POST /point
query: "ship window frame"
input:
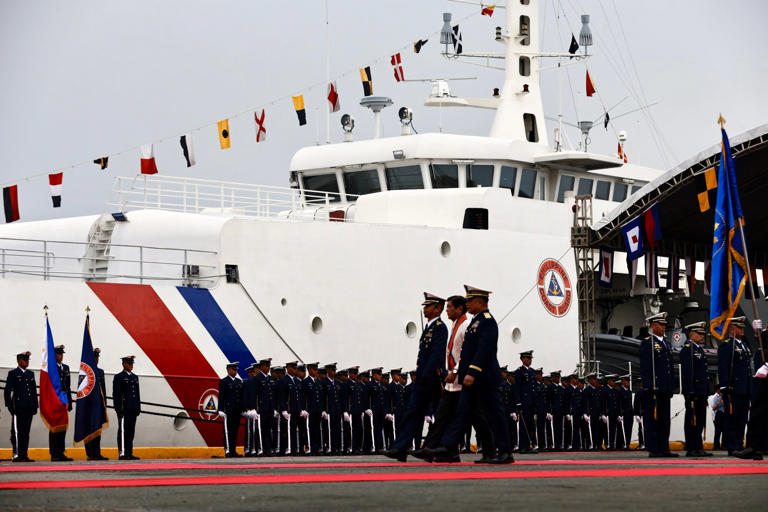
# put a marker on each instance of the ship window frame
(468, 173)
(579, 187)
(436, 181)
(335, 195)
(514, 169)
(525, 175)
(635, 188)
(388, 174)
(620, 186)
(561, 191)
(531, 127)
(373, 175)
(524, 66)
(598, 192)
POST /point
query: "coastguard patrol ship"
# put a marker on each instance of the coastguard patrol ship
(188, 274)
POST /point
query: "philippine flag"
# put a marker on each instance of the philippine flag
(53, 399)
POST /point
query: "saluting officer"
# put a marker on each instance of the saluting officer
(21, 400)
(656, 372)
(230, 407)
(56, 440)
(695, 389)
(127, 400)
(479, 374)
(733, 369)
(525, 378)
(93, 447)
(430, 368)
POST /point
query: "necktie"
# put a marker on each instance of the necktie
(451, 359)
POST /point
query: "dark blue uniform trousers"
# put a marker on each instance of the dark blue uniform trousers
(695, 419)
(736, 411)
(656, 430)
(488, 399)
(413, 419)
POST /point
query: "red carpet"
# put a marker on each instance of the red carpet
(385, 477)
(142, 466)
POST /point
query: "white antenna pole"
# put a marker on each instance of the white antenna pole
(559, 101)
(327, 75)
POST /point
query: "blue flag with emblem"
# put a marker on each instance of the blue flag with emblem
(729, 265)
(91, 405)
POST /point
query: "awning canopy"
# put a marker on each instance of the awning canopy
(687, 231)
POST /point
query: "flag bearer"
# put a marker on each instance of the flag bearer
(93, 447)
(733, 369)
(56, 439)
(695, 389)
(21, 401)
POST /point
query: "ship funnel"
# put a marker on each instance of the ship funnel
(376, 104)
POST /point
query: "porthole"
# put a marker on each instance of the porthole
(317, 325)
(410, 329)
(445, 249)
(283, 302)
(181, 421)
(516, 335)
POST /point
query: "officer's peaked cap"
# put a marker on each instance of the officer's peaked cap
(699, 327)
(24, 355)
(660, 318)
(430, 298)
(472, 292)
(738, 321)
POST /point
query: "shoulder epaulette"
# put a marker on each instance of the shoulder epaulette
(487, 315)
(439, 322)
(687, 345)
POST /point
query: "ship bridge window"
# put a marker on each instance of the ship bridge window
(404, 178)
(527, 183)
(444, 175)
(566, 185)
(603, 190)
(585, 186)
(322, 183)
(362, 182)
(479, 175)
(525, 66)
(620, 192)
(531, 131)
(508, 177)
(476, 218)
(635, 188)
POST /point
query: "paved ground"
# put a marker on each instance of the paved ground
(628, 480)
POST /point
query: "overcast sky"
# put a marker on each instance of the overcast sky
(81, 79)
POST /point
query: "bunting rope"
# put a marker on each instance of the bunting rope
(249, 111)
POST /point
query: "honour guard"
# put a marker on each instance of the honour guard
(396, 393)
(610, 411)
(333, 418)
(56, 439)
(93, 447)
(695, 389)
(525, 378)
(315, 394)
(557, 398)
(21, 401)
(265, 406)
(626, 413)
(591, 415)
(573, 418)
(757, 445)
(480, 375)
(289, 407)
(357, 406)
(733, 369)
(656, 371)
(127, 400)
(542, 408)
(230, 407)
(342, 378)
(429, 368)
(250, 406)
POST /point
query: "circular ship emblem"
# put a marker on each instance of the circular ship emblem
(554, 287)
(87, 383)
(208, 404)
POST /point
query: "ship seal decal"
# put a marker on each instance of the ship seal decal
(554, 287)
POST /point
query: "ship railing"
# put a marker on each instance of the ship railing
(195, 195)
(64, 259)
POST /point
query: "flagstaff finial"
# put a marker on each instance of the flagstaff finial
(87, 309)
(721, 121)
(45, 308)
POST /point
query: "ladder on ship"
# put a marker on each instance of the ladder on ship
(585, 282)
(96, 259)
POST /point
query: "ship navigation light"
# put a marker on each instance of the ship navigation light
(406, 117)
(585, 36)
(446, 33)
(347, 124)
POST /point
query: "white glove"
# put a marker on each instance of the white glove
(621, 419)
(637, 419)
(222, 414)
(324, 415)
(276, 414)
(535, 417)
(513, 416)
(757, 324)
(304, 414)
(256, 415)
(586, 418)
(369, 412)
(389, 417)
(604, 418)
(428, 419)
(762, 372)
(549, 416)
(286, 415)
(347, 417)
(569, 417)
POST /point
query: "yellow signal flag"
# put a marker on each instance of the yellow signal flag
(298, 104)
(224, 134)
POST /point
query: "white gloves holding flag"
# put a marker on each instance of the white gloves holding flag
(637, 419)
(389, 417)
(286, 415)
(569, 417)
(762, 372)
(347, 417)
(586, 418)
(757, 324)
(276, 414)
(304, 414)
(222, 415)
(621, 419)
(324, 415)
(549, 416)
(428, 419)
(604, 418)
(369, 412)
(513, 416)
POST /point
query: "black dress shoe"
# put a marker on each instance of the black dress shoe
(655, 455)
(393, 453)
(692, 454)
(747, 453)
(443, 455)
(670, 455)
(64, 458)
(484, 460)
(420, 454)
(702, 453)
(132, 457)
(503, 458)
(23, 459)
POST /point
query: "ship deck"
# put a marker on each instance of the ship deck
(573, 480)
